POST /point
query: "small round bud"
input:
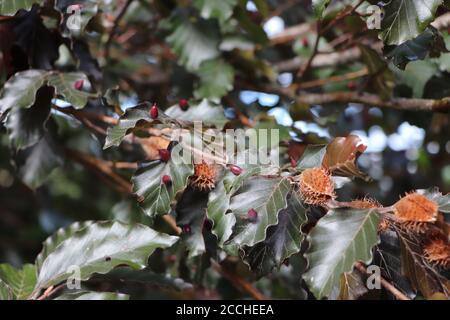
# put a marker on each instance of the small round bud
(164, 155)
(252, 215)
(78, 85)
(167, 180)
(186, 228)
(236, 170)
(184, 104)
(154, 112)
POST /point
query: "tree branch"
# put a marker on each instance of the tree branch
(238, 282)
(116, 27)
(386, 284)
(374, 100)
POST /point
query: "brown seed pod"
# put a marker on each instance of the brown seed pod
(437, 251)
(416, 213)
(416, 208)
(316, 186)
(366, 203)
(205, 176)
(384, 225)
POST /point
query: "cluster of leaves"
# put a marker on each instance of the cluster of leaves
(259, 215)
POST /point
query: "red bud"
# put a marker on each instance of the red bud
(184, 104)
(235, 169)
(154, 112)
(164, 154)
(351, 85)
(305, 42)
(293, 162)
(167, 180)
(172, 258)
(78, 85)
(252, 215)
(186, 228)
(207, 224)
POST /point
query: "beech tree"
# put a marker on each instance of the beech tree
(346, 103)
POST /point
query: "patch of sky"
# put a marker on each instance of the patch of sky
(285, 79)
(407, 137)
(308, 127)
(273, 26)
(282, 116)
(251, 6)
(127, 102)
(264, 99)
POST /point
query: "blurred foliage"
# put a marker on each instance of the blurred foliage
(246, 57)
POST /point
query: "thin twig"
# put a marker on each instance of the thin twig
(50, 291)
(116, 27)
(238, 282)
(339, 78)
(302, 71)
(386, 284)
(88, 115)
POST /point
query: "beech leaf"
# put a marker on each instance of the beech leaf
(341, 238)
(341, 155)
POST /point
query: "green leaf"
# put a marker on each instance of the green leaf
(381, 78)
(64, 84)
(146, 276)
(27, 126)
(352, 286)
(52, 242)
(264, 195)
(20, 90)
(128, 121)
(92, 295)
(206, 111)
(406, 19)
(100, 247)
(253, 30)
(6, 293)
(20, 281)
(429, 43)
(41, 159)
(282, 240)
(312, 157)
(10, 7)
(216, 79)
(319, 7)
(219, 9)
(416, 75)
(218, 204)
(341, 238)
(191, 211)
(154, 197)
(194, 43)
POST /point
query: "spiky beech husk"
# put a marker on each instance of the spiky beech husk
(366, 203)
(384, 225)
(436, 251)
(205, 176)
(316, 186)
(415, 207)
(416, 213)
